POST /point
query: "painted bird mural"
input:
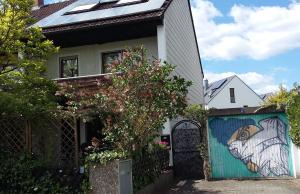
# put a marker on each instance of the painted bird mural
(263, 148)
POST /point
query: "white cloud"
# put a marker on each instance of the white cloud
(260, 83)
(256, 32)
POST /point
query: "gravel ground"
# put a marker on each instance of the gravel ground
(237, 187)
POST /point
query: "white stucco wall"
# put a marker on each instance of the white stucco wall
(90, 56)
(244, 96)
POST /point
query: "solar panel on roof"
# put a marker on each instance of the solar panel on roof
(108, 1)
(128, 1)
(60, 18)
(83, 7)
(218, 84)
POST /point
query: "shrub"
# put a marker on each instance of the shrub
(148, 165)
(25, 174)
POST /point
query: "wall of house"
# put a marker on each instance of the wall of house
(90, 56)
(250, 146)
(296, 158)
(244, 96)
(181, 47)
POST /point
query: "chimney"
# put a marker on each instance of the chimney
(38, 3)
(206, 84)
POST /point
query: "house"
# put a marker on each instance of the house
(230, 92)
(266, 96)
(92, 33)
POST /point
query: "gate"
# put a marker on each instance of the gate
(186, 136)
(250, 145)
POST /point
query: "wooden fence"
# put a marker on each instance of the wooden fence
(52, 139)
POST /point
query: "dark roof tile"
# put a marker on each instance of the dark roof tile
(49, 9)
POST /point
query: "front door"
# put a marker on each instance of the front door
(186, 136)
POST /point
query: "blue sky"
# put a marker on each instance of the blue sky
(259, 40)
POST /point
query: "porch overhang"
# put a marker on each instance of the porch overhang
(86, 34)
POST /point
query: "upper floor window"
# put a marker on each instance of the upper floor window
(232, 95)
(108, 59)
(68, 66)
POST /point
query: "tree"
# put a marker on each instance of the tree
(134, 102)
(293, 112)
(23, 52)
(279, 99)
(290, 100)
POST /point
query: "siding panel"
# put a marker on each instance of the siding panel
(181, 47)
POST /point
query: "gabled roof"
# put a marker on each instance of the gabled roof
(215, 87)
(99, 14)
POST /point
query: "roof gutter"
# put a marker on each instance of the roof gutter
(130, 18)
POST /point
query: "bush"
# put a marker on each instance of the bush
(148, 165)
(25, 174)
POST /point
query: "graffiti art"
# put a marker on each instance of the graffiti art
(262, 147)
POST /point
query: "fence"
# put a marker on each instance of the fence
(245, 144)
(52, 139)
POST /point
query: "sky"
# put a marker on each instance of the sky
(258, 40)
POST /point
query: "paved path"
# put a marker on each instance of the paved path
(237, 187)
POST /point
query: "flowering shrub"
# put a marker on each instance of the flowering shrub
(134, 101)
(163, 145)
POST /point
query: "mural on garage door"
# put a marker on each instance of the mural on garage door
(250, 146)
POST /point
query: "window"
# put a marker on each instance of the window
(108, 59)
(128, 1)
(232, 95)
(68, 66)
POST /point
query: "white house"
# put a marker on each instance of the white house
(91, 33)
(230, 92)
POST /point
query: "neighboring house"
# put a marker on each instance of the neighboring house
(230, 92)
(266, 96)
(92, 33)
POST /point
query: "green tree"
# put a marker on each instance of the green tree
(290, 100)
(279, 99)
(293, 112)
(23, 52)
